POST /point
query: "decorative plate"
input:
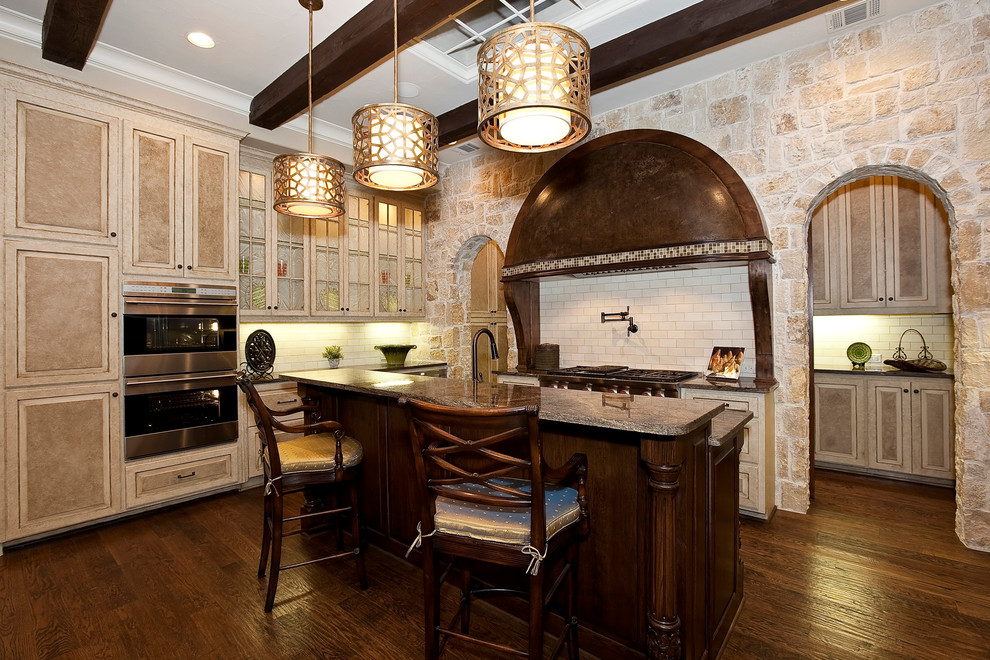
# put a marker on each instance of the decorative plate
(859, 353)
(259, 350)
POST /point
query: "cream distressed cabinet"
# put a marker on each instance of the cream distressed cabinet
(757, 480)
(178, 200)
(277, 396)
(63, 456)
(885, 424)
(880, 244)
(273, 259)
(366, 263)
(63, 168)
(487, 308)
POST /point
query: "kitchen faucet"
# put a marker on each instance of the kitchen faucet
(476, 375)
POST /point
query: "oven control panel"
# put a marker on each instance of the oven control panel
(160, 289)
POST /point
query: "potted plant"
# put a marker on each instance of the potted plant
(333, 354)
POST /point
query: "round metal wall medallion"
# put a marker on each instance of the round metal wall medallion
(259, 351)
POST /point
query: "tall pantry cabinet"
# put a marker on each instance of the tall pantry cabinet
(65, 205)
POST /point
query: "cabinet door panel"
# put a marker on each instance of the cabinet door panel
(152, 200)
(208, 206)
(62, 457)
(861, 233)
(838, 409)
(910, 243)
(358, 230)
(252, 202)
(58, 314)
(66, 172)
(890, 427)
(823, 238)
(932, 429)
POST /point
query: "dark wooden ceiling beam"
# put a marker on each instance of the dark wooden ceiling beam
(688, 32)
(357, 45)
(70, 30)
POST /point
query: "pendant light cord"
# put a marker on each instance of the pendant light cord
(395, 51)
(309, 77)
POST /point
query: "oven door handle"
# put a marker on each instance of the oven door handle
(178, 382)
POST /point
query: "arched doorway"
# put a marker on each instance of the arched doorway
(879, 268)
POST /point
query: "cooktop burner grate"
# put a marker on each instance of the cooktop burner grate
(624, 373)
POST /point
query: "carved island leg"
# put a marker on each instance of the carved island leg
(663, 633)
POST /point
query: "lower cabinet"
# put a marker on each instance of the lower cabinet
(181, 474)
(757, 481)
(277, 396)
(62, 457)
(885, 424)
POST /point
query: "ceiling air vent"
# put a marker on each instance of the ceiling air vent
(467, 147)
(854, 13)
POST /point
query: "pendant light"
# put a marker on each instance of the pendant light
(534, 87)
(309, 185)
(395, 144)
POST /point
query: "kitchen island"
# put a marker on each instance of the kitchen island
(659, 573)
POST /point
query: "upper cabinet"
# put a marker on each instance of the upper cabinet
(880, 244)
(366, 263)
(178, 201)
(62, 169)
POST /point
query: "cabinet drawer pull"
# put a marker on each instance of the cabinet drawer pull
(186, 476)
(285, 401)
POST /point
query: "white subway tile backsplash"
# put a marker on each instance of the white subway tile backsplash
(681, 316)
(834, 334)
(298, 345)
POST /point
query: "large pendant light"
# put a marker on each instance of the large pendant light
(309, 185)
(534, 87)
(395, 144)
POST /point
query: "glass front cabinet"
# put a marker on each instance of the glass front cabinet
(365, 263)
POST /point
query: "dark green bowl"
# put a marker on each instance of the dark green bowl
(395, 354)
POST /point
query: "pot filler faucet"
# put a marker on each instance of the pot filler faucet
(476, 375)
(624, 317)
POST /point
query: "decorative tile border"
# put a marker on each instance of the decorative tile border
(634, 256)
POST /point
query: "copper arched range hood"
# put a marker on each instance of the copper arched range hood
(636, 200)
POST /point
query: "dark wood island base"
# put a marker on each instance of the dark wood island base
(660, 571)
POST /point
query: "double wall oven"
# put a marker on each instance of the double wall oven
(180, 355)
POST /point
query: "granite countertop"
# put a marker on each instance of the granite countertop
(409, 364)
(886, 371)
(651, 415)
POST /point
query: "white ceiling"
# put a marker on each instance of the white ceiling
(256, 40)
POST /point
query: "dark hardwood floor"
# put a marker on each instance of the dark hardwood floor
(874, 571)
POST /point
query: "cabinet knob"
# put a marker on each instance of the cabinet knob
(115, 395)
(179, 266)
(880, 299)
(891, 298)
(188, 267)
(113, 315)
(113, 234)
(917, 392)
(905, 391)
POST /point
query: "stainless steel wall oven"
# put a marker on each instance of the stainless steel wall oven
(180, 353)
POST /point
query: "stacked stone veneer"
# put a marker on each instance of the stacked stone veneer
(910, 96)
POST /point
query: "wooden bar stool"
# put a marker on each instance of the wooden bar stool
(489, 496)
(321, 458)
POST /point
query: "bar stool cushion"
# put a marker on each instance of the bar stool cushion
(504, 524)
(306, 453)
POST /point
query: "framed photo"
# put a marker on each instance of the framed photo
(725, 362)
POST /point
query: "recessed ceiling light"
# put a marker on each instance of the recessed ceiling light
(200, 39)
(408, 90)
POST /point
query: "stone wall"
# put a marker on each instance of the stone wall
(796, 127)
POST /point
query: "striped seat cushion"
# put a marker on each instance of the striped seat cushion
(504, 524)
(306, 453)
